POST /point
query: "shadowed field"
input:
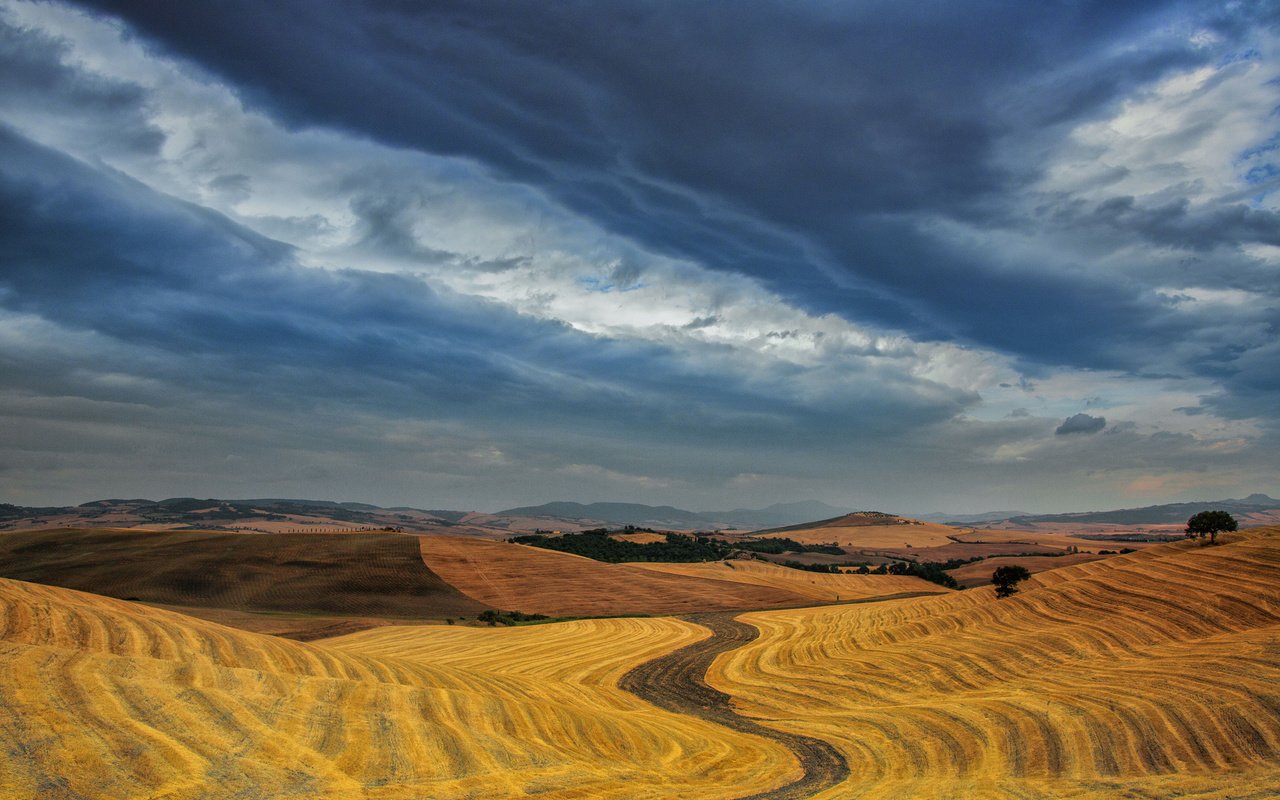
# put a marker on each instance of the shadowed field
(349, 575)
(817, 586)
(1154, 674)
(105, 700)
(533, 580)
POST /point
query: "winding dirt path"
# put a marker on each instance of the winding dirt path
(675, 682)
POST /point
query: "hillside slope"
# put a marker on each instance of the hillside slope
(1153, 674)
(106, 699)
(357, 574)
(820, 587)
(533, 580)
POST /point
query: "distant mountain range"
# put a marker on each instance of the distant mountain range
(669, 517)
(279, 512)
(971, 519)
(1146, 515)
(254, 514)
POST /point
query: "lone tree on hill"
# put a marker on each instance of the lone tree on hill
(1211, 523)
(1007, 578)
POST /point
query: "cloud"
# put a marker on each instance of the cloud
(1080, 423)
(776, 242)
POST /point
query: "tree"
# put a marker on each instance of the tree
(1211, 523)
(1007, 578)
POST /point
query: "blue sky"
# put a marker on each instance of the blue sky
(474, 255)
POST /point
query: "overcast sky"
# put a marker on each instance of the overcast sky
(909, 257)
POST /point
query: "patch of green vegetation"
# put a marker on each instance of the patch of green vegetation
(495, 617)
(677, 548)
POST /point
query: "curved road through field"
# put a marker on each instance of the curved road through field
(675, 682)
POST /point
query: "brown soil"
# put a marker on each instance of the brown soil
(674, 682)
(516, 577)
(326, 575)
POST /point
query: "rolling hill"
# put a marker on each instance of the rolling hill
(105, 699)
(1256, 509)
(637, 514)
(1153, 674)
(819, 587)
(533, 580)
(318, 577)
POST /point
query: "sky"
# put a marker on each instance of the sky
(907, 257)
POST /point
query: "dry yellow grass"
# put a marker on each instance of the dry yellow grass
(643, 537)
(818, 586)
(979, 572)
(1063, 540)
(107, 699)
(1152, 675)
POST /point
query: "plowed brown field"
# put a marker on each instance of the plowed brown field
(349, 575)
(1154, 674)
(528, 579)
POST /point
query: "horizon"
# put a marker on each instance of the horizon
(966, 258)
(909, 513)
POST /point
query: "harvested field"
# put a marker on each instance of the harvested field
(532, 580)
(1153, 674)
(643, 537)
(1059, 540)
(301, 627)
(979, 572)
(871, 537)
(817, 586)
(675, 682)
(350, 575)
(106, 699)
(952, 550)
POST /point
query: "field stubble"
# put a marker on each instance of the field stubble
(1154, 674)
(109, 699)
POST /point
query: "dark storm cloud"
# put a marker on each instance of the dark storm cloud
(1080, 423)
(226, 311)
(772, 140)
(880, 162)
(1175, 224)
(35, 79)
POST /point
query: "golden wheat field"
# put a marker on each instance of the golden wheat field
(978, 573)
(817, 586)
(107, 699)
(1153, 675)
(1149, 675)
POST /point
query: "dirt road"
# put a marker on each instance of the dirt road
(675, 682)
